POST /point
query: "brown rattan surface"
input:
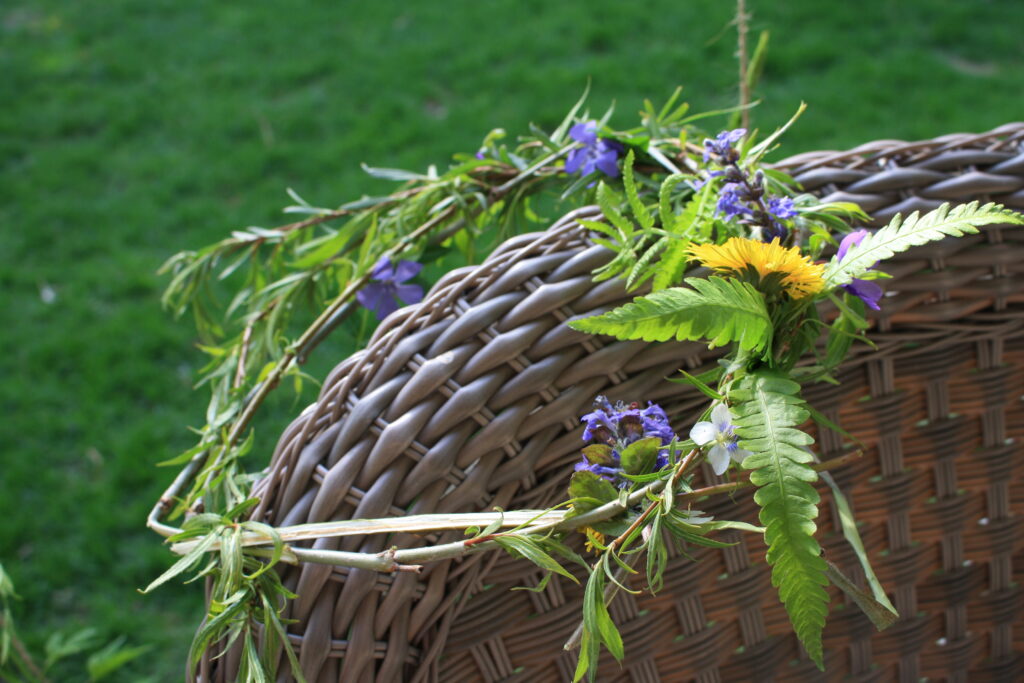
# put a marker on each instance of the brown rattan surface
(472, 399)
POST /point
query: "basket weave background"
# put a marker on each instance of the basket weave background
(472, 399)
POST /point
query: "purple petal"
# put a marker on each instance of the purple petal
(387, 306)
(406, 270)
(852, 239)
(585, 132)
(606, 163)
(410, 294)
(574, 160)
(370, 296)
(382, 270)
(869, 292)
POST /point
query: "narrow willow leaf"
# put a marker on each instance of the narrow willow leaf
(593, 599)
(881, 615)
(185, 563)
(528, 549)
(900, 235)
(717, 309)
(768, 411)
(849, 525)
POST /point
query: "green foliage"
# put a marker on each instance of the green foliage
(718, 309)
(246, 596)
(588, 491)
(900, 235)
(768, 413)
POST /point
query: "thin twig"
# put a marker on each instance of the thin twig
(22, 652)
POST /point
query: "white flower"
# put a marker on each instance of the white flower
(721, 433)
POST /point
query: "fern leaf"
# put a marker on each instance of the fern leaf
(768, 410)
(916, 230)
(672, 265)
(640, 212)
(668, 218)
(717, 309)
(642, 270)
(609, 201)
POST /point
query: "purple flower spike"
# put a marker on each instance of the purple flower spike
(385, 291)
(781, 207)
(619, 426)
(595, 153)
(722, 144)
(868, 291)
(731, 201)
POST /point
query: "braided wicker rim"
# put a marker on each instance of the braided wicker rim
(471, 399)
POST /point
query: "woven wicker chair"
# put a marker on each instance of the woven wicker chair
(472, 399)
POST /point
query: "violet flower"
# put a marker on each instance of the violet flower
(595, 153)
(720, 432)
(781, 207)
(732, 201)
(385, 291)
(618, 426)
(722, 144)
(868, 291)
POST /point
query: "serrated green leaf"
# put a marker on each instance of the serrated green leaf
(768, 410)
(639, 456)
(599, 454)
(642, 269)
(636, 205)
(717, 309)
(589, 491)
(668, 186)
(609, 202)
(900, 235)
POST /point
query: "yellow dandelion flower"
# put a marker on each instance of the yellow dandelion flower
(802, 277)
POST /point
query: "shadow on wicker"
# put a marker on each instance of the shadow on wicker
(472, 399)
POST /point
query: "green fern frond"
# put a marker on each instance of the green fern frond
(916, 230)
(717, 309)
(768, 410)
(636, 205)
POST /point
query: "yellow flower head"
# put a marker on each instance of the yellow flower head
(800, 276)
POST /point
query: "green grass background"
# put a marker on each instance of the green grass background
(130, 130)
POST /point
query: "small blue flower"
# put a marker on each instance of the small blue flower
(721, 145)
(595, 153)
(720, 432)
(385, 290)
(868, 291)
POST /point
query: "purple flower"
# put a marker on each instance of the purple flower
(480, 155)
(868, 291)
(595, 153)
(781, 207)
(731, 201)
(722, 144)
(385, 290)
(617, 427)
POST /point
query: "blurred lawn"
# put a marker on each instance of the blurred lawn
(130, 130)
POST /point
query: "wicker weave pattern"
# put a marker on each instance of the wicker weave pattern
(472, 399)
